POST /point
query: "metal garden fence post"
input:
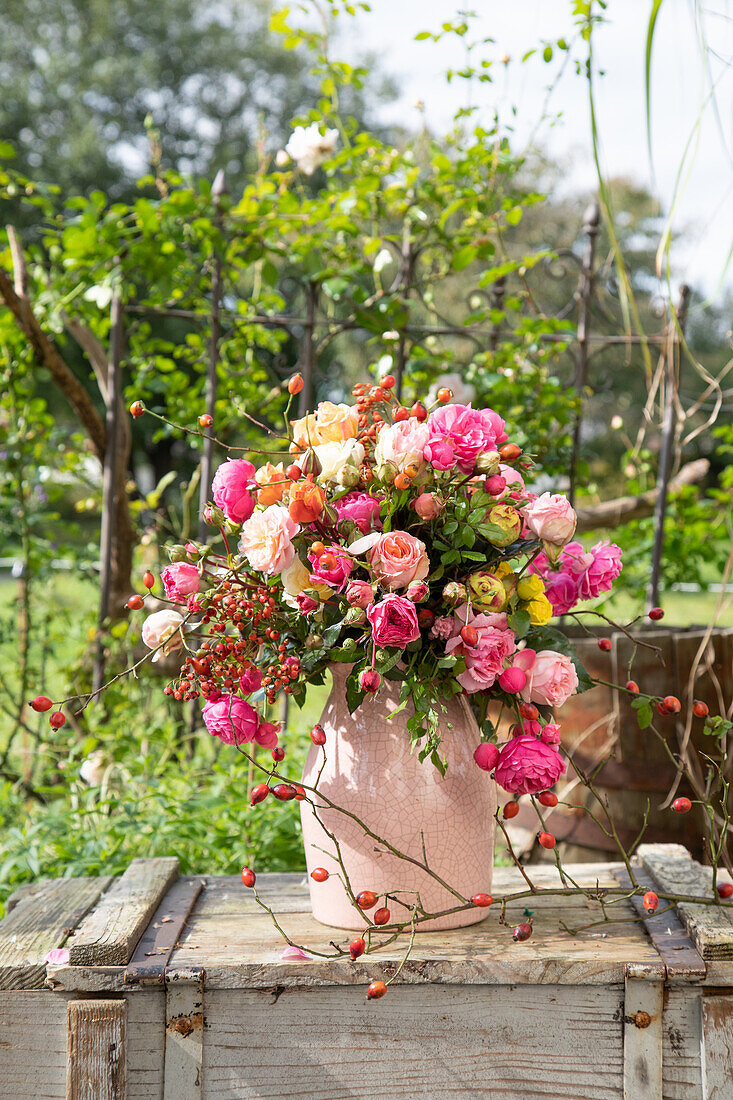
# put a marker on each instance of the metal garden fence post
(307, 350)
(591, 220)
(218, 190)
(675, 332)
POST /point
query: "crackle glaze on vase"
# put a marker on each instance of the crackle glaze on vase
(370, 772)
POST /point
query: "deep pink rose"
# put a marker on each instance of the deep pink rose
(306, 604)
(527, 766)
(231, 719)
(359, 594)
(551, 517)
(551, 677)
(332, 567)
(250, 680)
(180, 580)
(362, 509)
(230, 488)
(458, 434)
(266, 734)
(393, 621)
(399, 558)
(495, 485)
(603, 570)
(485, 660)
(561, 589)
(574, 559)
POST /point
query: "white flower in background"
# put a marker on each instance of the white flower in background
(340, 462)
(281, 159)
(463, 392)
(93, 769)
(309, 147)
(163, 628)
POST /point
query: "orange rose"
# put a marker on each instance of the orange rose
(272, 480)
(306, 502)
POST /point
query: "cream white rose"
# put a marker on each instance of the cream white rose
(308, 147)
(340, 462)
(162, 632)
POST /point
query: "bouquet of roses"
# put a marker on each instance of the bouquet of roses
(405, 542)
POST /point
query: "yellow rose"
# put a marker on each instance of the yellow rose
(540, 611)
(486, 591)
(531, 587)
(296, 578)
(507, 576)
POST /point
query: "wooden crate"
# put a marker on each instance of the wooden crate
(175, 989)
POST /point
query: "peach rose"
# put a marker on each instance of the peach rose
(272, 482)
(329, 424)
(306, 502)
(162, 632)
(267, 539)
(398, 558)
(551, 518)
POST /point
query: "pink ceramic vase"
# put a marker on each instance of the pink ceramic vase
(370, 772)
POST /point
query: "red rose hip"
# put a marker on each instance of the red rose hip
(248, 877)
(655, 614)
(522, 932)
(547, 840)
(382, 916)
(482, 901)
(318, 735)
(376, 990)
(700, 709)
(547, 798)
(319, 874)
(357, 947)
(650, 901)
(682, 805)
(511, 809)
(725, 890)
(40, 703)
(57, 720)
(258, 793)
(366, 899)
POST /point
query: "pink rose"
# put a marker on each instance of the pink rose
(527, 766)
(360, 594)
(561, 589)
(267, 539)
(574, 559)
(495, 485)
(442, 627)
(266, 734)
(250, 680)
(231, 719)
(551, 518)
(362, 509)
(230, 489)
(398, 558)
(458, 434)
(428, 505)
(485, 660)
(393, 621)
(551, 677)
(180, 580)
(306, 604)
(332, 567)
(603, 570)
(551, 734)
(486, 755)
(402, 444)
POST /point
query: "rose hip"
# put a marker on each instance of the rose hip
(366, 899)
(604, 644)
(376, 990)
(482, 901)
(682, 805)
(382, 916)
(357, 947)
(700, 709)
(40, 703)
(547, 798)
(248, 876)
(650, 901)
(319, 874)
(725, 890)
(547, 840)
(511, 809)
(258, 793)
(522, 932)
(655, 614)
(284, 792)
(57, 720)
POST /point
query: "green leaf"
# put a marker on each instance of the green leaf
(520, 622)
(463, 257)
(644, 715)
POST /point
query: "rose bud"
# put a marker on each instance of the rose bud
(355, 616)
(310, 464)
(369, 680)
(486, 755)
(487, 462)
(495, 485)
(454, 593)
(416, 591)
(214, 516)
(428, 506)
(512, 680)
(359, 594)
(305, 603)
(306, 502)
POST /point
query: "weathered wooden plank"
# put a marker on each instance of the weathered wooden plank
(546, 1043)
(710, 927)
(40, 921)
(150, 957)
(96, 1056)
(33, 1045)
(643, 1039)
(682, 962)
(184, 1038)
(717, 1047)
(25, 890)
(681, 1043)
(111, 931)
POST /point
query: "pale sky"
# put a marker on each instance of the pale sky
(679, 92)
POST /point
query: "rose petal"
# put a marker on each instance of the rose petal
(362, 545)
(291, 953)
(58, 956)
